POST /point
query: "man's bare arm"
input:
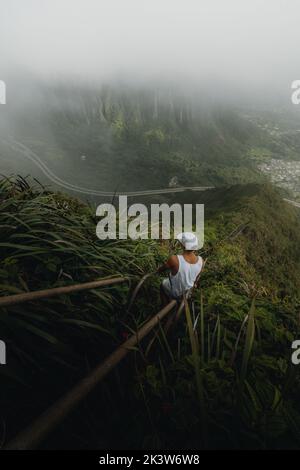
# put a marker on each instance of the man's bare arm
(170, 265)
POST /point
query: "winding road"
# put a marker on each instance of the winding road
(33, 157)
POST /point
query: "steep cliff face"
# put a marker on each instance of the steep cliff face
(130, 138)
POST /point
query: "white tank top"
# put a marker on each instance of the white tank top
(185, 277)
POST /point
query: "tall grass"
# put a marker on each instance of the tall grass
(250, 332)
(49, 240)
(225, 354)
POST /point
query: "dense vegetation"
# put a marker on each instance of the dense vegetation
(91, 137)
(230, 383)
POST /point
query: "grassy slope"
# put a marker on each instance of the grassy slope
(49, 240)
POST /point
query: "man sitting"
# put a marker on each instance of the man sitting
(184, 269)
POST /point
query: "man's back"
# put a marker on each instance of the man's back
(186, 274)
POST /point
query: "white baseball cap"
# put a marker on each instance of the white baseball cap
(189, 240)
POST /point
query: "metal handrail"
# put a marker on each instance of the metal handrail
(31, 437)
(46, 293)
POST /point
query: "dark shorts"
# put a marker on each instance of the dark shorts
(166, 287)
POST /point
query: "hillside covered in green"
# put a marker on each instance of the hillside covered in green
(229, 383)
(124, 138)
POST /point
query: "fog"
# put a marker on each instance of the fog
(181, 60)
(245, 45)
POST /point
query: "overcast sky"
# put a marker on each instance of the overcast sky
(254, 42)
